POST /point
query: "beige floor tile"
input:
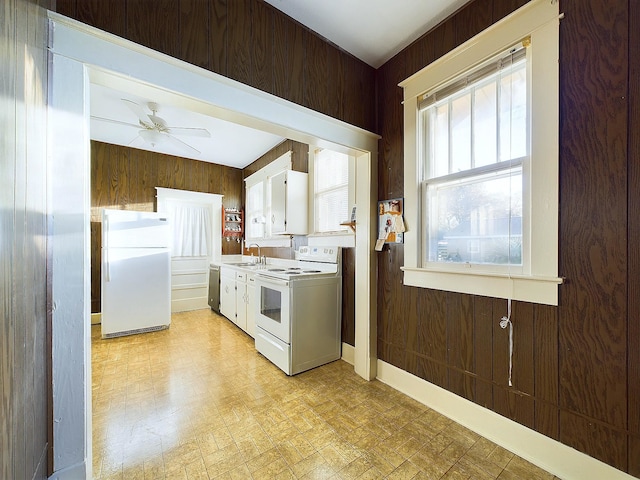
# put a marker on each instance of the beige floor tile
(197, 402)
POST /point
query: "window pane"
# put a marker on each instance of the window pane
(331, 172)
(485, 125)
(513, 114)
(461, 133)
(441, 140)
(477, 221)
(254, 219)
(332, 169)
(331, 209)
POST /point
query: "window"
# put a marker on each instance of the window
(474, 142)
(257, 203)
(481, 163)
(255, 211)
(331, 190)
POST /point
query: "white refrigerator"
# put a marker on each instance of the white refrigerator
(136, 272)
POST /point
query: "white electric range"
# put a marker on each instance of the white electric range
(299, 310)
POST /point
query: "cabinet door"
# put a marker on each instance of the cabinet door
(251, 306)
(241, 305)
(228, 297)
(278, 203)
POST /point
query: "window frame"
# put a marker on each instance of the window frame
(345, 236)
(538, 23)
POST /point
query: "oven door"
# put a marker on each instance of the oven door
(273, 307)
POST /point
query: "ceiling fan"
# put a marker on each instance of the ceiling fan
(154, 130)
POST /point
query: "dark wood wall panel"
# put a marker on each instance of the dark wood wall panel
(195, 24)
(349, 296)
(152, 23)
(502, 8)
(593, 232)
(262, 54)
(576, 373)
(239, 31)
(472, 19)
(89, 12)
(246, 40)
(316, 74)
(483, 314)
(299, 157)
(633, 245)
(218, 36)
(126, 178)
(460, 344)
(545, 360)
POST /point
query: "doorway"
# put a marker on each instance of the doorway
(82, 56)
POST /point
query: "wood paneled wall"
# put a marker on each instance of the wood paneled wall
(246, 40)
(576, 370)
(125, 178)
(299, 157)
(300, 163)
(25, 350)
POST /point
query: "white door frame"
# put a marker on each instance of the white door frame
(82, 55)
(192, 300)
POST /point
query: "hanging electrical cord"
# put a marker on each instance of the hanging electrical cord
(504, 321)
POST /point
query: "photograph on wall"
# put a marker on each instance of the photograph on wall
(390, 221)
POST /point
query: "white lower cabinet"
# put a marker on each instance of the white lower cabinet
(237, 294)
(251, 310)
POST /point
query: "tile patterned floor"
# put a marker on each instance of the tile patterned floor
(198, 402)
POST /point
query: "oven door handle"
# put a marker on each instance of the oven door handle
(271, 281)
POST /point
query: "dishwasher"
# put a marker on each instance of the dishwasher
(214, 287)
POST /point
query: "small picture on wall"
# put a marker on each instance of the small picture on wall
(390, 221)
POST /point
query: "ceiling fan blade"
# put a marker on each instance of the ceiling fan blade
(180, 144)
(191, 132)
(117, 122)
(139, 111)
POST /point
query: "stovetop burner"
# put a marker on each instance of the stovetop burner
(310, 262)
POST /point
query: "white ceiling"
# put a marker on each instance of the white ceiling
(230, 144)
(372, 30)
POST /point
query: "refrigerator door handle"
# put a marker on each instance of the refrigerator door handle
(105, 249)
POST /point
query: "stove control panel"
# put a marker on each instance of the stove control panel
(318, 254)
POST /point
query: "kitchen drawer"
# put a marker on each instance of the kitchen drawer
(241, 276)
(278, 352)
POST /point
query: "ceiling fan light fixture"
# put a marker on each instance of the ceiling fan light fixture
(152, 137)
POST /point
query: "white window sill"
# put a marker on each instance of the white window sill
(334, 239)
(281, 241)
(535, 289)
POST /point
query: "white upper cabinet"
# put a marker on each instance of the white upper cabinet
(276, 203)
(289, 196)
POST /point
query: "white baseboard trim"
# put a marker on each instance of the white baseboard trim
(348, 353)
(548, 454)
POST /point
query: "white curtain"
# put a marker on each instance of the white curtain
(191, 230)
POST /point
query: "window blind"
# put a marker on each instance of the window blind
(505, 60)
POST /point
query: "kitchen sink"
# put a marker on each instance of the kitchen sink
(244, 264)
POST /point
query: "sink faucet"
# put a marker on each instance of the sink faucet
(256, 245)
